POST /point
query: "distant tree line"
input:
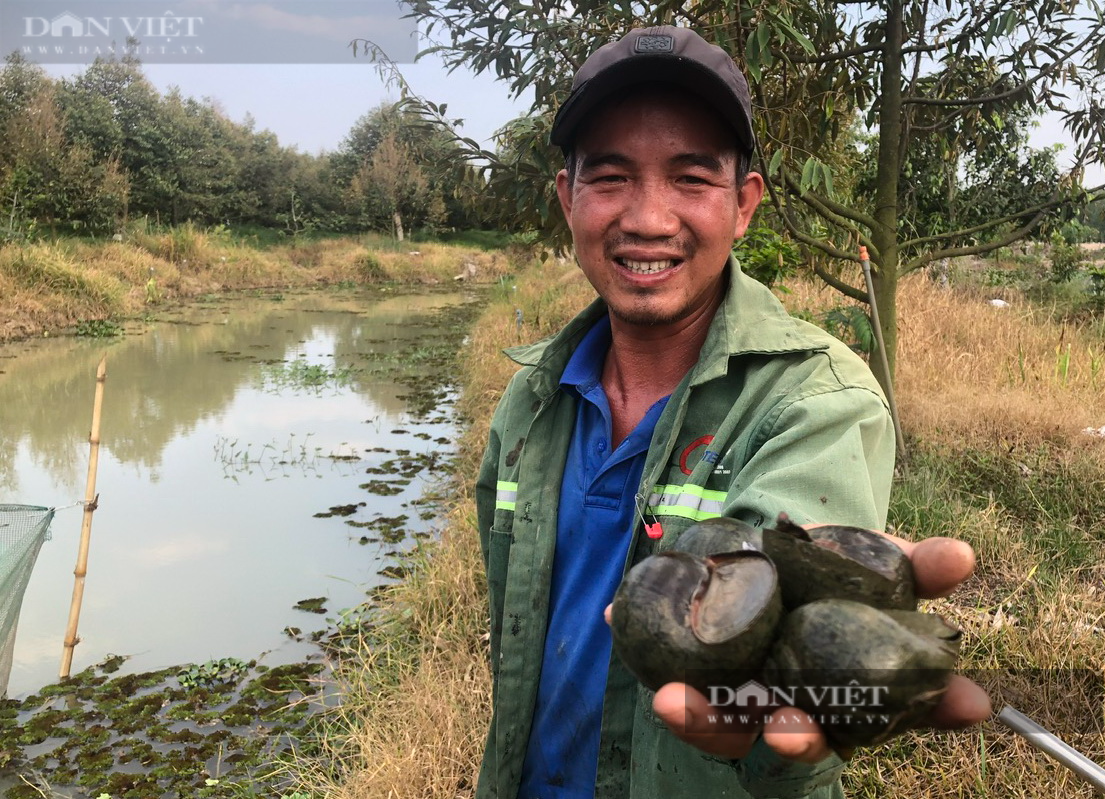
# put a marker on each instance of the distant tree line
(87, 153)
(1094, 218)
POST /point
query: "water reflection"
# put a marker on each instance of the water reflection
(211, 472)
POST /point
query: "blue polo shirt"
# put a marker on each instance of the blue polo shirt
(595, 522)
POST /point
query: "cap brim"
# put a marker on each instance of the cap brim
(665, 69)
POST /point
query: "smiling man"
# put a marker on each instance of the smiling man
(685, 392)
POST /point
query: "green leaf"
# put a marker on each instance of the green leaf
(763, 37)
(752, 58)
(796, 36)
(809, 173)
(776, 160)
(827, 179)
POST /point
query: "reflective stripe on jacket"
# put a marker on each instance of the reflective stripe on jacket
(776, 415)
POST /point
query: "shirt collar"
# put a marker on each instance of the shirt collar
(584, 368)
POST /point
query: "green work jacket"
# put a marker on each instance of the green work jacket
(776, 415)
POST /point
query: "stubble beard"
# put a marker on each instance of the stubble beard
(634, 314)
(638, 311)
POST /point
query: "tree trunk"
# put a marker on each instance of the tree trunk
(397, 219)
(885, 234)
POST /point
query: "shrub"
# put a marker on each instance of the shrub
(1066, 258)
(369, 268)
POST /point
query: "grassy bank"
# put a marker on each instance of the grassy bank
(994, 409)
(50, 286)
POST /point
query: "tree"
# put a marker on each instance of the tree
(392, 184)
(400, 171)
(1094, 217)
(44, 175)
(915, 71)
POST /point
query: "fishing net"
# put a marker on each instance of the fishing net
(23, 528)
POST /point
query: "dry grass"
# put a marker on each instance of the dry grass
(50, 286)
(998, 459)
(971, 373)
(43, 284)
(416, 688)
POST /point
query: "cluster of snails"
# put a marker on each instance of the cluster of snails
(793, 610)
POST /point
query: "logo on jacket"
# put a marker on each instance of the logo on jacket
(698, 442)
(686, 465)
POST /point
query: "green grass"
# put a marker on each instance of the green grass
(1051, 499)
(484, 239)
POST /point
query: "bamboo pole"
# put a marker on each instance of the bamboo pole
(91, 501)
(865, 262)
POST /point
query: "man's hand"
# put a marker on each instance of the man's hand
(939, 565)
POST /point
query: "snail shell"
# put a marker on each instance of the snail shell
(678, 617)
(722, 534)
(838, 562)
(900, 661)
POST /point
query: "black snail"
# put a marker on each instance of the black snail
(823, 619)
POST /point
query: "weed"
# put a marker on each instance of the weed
(303, 376)
(849, 323)
(212, 672)
(194, 731)
(98, 328)
(54, 285)
(766, 255)
(369, 268)
(1066, 258)
(153, 291)
(852, 325)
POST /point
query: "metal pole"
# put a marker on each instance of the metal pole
(90, 503)
(1051, 745)
(865, 262)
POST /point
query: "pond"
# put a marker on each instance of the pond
(256, 452)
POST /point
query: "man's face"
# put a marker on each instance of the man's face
(655, 206)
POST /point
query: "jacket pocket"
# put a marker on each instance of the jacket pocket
(498, 560)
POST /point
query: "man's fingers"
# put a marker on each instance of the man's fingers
(606, 614)
(939, 564)
(692, 719)
(793, 734)
(963, 704)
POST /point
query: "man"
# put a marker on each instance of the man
(686, 392)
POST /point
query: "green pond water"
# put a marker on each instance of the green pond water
(261, 459)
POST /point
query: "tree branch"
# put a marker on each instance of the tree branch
(917, 62)
(1020, 88)
(1054, 201)
(988, 98)
(792, 228)
(977, 249)
(836, 213)
(844, 288)
(943, 122)
(965, 35)
(829, 58)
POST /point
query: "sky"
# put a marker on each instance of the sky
(313, 106)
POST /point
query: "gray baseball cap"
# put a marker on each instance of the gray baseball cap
(662, 54)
